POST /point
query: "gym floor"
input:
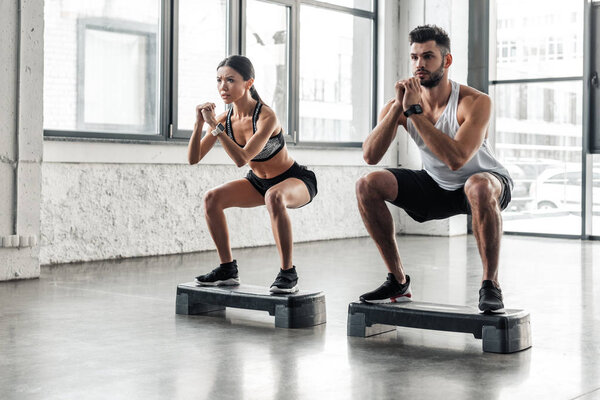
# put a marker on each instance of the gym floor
(108, 330)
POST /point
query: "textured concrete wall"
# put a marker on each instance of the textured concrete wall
(102, 211)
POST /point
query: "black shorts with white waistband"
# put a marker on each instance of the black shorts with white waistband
(295, 171)
(423, 199)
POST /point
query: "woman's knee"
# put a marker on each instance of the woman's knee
(212, 200)
(274, 201)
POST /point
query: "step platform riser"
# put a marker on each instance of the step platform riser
(500, 333)
(298, 310)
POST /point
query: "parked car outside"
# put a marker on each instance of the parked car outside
(560, 188)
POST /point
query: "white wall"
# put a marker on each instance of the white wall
(21, 75)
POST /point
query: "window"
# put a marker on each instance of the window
(116, 76)
(102, 68)
(201, 44)
(267, 46)
(336, 69)
(137, 69)
(314, 66)
(537, 93)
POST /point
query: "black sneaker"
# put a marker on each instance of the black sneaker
(390, 292)
(490, 298)
(220, 276)
(286, 281)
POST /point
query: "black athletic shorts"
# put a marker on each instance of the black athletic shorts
(295, 171)
(423, 199)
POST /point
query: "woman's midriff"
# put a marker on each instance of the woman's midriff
(273, 167)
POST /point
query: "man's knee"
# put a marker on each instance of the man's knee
(481, 192)
(368, 187)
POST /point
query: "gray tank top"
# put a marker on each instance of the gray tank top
(482, 161)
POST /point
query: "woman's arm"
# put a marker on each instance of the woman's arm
(198, 146)
(265, 126)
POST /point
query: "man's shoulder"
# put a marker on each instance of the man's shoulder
(468, 96)
(470, 93)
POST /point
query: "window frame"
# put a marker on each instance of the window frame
(167, 37)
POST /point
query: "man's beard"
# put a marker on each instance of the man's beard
(435, 77)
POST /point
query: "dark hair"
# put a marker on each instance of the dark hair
(425, 33)
(244, 67)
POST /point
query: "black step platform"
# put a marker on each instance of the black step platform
(501, 333)
(298, 310)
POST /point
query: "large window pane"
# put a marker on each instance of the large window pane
(538, 39)
(202, 45)
(538, 135)
(335, 76)
(267, 32)
(101, 66)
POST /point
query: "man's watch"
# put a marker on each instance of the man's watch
(218, 129)
(414, 109)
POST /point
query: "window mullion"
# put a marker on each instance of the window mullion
(294, 85)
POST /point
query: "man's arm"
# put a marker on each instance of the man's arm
(380, 139)
(456, 152)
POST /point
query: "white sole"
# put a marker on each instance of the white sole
(401, 299)
(227, 282)
(275, 289)
(498, 311)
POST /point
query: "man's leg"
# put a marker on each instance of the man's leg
(483, 192)
(372, 192)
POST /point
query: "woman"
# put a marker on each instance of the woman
(250, 134)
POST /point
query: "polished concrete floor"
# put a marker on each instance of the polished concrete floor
(108, 330)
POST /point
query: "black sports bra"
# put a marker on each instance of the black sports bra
(273, 145)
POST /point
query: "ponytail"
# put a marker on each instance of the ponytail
(254, 94)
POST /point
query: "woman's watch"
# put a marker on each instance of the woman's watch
(218, 129)
(414, 109)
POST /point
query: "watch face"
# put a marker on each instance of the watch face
(220, 127)
(417, 109)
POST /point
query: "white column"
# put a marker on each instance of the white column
(21, 137)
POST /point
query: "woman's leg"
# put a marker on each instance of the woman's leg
(291, 193)
(238, 193)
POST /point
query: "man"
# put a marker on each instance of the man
(460, 175)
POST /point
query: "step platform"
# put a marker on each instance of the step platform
(500, 333)
(297, 310)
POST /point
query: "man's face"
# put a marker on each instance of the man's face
(427, 63)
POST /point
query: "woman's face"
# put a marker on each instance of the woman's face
(231, 84)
